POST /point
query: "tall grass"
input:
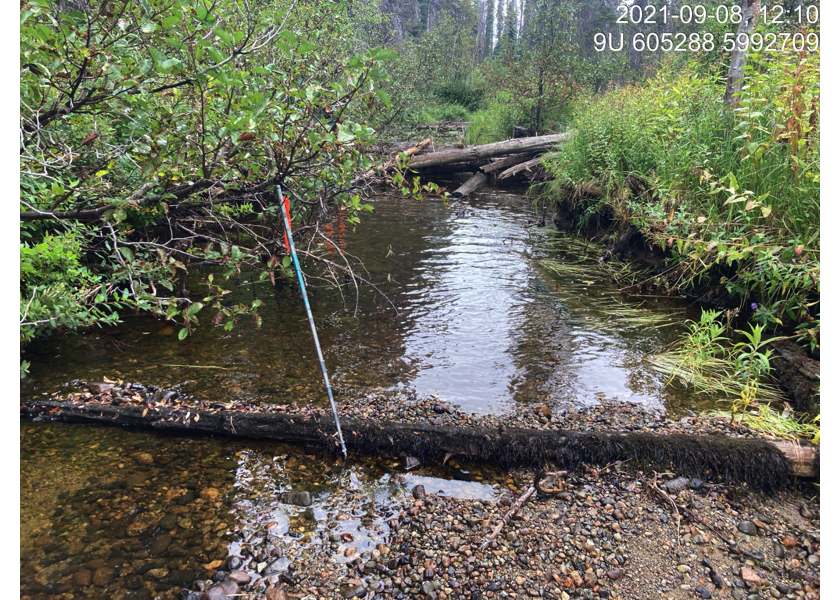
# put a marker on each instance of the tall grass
(730, 193)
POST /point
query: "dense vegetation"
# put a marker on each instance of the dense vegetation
(731, 194)
(152, 135)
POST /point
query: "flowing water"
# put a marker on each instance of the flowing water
(109, 513)
(477, 318)
(487, 312)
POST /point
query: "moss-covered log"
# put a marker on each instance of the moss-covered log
(758, 463)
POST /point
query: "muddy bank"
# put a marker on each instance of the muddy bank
(797, 372)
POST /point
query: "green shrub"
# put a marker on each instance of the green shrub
(732, 194)
(461, 93)
(497, 121)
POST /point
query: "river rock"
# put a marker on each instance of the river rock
(102, 576)
(185, 498)
(159, 544)
(144, 458)
(183, 577)
(276, 594)
(210, 494)
(542, 409)
(747, 527)
(675, 486)
(158, 573)
(278, 566)
(353, 591)
(418, 492)
(142, 523)
(82, 578)
(168, 522)
(750, 577)
(240, 577)
(295, 498)
(410, 462)
(222, 590)
(136, 480)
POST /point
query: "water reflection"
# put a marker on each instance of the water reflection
(480, 323)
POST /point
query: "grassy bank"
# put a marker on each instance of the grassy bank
(730, 194)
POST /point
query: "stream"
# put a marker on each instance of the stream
(488, 313)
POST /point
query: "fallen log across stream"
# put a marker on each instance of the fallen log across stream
(519, 154)
(531, 145)
(472, 184)
(759, 463)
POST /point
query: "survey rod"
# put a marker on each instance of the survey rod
(290, 245)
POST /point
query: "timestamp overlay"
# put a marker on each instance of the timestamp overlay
(709, 27)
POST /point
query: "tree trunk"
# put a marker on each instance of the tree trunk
(735, 79)
(518, 146)
(503, 163)
(471, 185)
(538, 120)
(525, 166)
(758, 463)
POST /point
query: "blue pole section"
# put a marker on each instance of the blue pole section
(287, 226)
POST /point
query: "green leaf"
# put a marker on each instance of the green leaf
(384, 54)
(194, 308)
(217, 55)
(383, 97)
(290, 37)
(127, 253)
(183, 334)
(224, 36)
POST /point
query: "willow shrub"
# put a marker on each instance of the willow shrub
(152, 136)
(731, 193)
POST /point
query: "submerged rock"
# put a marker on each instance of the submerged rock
(210, 494)
(222, 590)
(144, 458)
(295, 498)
